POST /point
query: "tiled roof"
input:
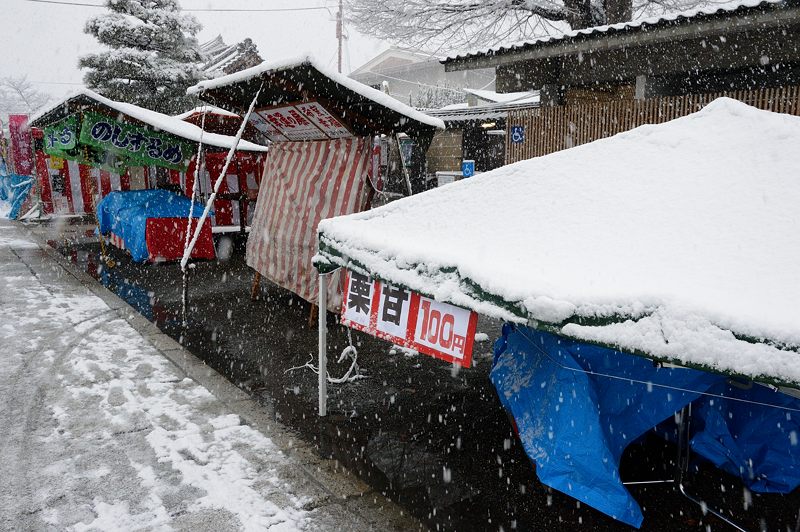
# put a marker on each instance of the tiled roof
(738, 7)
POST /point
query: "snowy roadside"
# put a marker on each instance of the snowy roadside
(100, 431)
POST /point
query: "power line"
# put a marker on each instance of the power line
(264, 10)
(272, 10)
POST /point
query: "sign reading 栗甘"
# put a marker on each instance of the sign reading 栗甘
(409, 319)
(137, 143)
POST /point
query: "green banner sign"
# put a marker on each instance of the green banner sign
(136, 144)
(61, 136)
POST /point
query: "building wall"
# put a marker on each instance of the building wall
(551, 129)
(444, 154)
(408, 81)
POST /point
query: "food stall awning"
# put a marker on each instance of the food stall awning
(86, 100)
(679, 242)
(365, 110)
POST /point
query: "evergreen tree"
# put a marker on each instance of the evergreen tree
(153, 54)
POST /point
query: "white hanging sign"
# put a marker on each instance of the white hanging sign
(329, 125)
(409, 319)
(302, 121)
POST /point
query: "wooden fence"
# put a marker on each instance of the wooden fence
(550, 129)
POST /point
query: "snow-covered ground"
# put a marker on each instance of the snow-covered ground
(102, 432)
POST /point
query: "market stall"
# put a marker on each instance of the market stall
(89, 146)
(321, 125)
(645, 276)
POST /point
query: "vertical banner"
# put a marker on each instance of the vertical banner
(406, 318)
(21, 144)
(5, 165)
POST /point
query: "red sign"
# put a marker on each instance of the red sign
(409, 319)
(21, 144)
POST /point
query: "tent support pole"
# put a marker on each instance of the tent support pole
(323, 345)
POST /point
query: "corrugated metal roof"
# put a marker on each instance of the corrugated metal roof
(636, 25)
(479, 112)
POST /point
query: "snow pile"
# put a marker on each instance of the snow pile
(286, 64)
(679, 240)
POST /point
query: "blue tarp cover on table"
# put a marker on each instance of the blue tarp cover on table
(126, 213)
(575, 425)
(14, 189)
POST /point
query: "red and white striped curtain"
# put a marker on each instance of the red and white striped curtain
(303, 183)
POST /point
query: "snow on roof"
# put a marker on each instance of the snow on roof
(169, 124)
(454, 106)
(716, 9)
(505, 97)
(355, 86)
(211, 109)
(680, 241)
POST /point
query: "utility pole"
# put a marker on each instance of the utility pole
(339, 33)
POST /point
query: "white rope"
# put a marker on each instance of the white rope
(650, 383)
(352, 374)
(188, 250)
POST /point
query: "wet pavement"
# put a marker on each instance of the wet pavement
(431, 437)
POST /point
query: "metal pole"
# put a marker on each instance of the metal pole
(323, 344)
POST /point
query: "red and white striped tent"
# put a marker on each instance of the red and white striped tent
(322, 126)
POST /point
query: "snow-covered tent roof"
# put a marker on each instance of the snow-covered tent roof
(85, 99)
(367, 110)
(678, 241)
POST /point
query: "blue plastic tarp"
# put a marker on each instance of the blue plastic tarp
(14, 189)
(759, 444)
(578, 406)
(575, 425)
(126, 213)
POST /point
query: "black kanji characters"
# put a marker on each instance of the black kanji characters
(358, 298)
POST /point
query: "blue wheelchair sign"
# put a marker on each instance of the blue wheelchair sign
(467, 168)
(517, 134)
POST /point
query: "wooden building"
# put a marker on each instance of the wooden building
(599, 81)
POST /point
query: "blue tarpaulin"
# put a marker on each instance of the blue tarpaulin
(575, 421)
(759, 444)
(126, 213)
(14, 189)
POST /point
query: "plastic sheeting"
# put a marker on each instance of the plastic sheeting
(575, 426)
(759, 444)
(575, 421)
(126, 213)
(14, 189)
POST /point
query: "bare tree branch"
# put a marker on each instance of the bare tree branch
(448, 25)
(18, 95)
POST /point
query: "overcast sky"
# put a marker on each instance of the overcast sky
(44, 41)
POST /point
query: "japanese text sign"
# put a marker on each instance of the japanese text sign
(324, 120)
(135, 142)
(303, 121)
(409, 319)
(61, 136)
